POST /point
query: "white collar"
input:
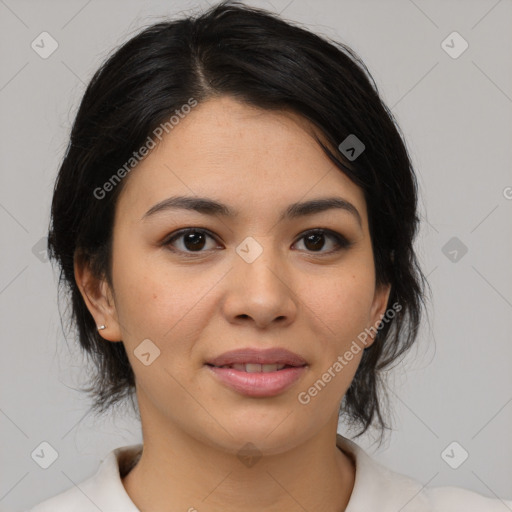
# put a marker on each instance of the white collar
(375, 488)
(378, 488)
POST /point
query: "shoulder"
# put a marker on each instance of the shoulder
(453, 499)
(413, 496)
(379, 488)
(68, 501)
(102, 491)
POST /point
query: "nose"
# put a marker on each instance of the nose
(260, 292)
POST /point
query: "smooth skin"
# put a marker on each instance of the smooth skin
(196, 300)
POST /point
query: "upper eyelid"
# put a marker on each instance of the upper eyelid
(180, 232)
(325, 231)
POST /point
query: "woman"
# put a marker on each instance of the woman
(234, 220)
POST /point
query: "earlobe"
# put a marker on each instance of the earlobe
(99, 300)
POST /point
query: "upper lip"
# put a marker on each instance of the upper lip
(258, 356)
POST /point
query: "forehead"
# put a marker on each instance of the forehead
(254, 159)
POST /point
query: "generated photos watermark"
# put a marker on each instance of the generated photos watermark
(304, 397)
(149, 144)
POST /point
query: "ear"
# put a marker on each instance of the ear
(379, 305)
(98, 298)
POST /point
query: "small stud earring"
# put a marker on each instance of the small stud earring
(101, 327)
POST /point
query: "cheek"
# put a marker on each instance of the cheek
(147, 304)
(158, 301)
(139, 292)
(340, 310)
(343, 305)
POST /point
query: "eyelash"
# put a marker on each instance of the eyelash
(341, 241)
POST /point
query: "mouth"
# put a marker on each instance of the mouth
(253, 360)
(255, 367)
(258, 373)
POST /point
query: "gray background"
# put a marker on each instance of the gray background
(456, 114)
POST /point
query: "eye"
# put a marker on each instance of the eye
(191, 240)
(314, 241)
(194, 240)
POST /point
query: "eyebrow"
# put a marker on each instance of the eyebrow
(208, 206)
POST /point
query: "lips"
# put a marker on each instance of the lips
(257, 360)
(258, 373)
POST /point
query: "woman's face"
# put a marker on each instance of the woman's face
(251, 280)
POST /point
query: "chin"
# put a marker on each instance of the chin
(270, 437)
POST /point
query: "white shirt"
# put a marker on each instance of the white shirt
(376, 489)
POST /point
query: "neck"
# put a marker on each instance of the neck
(177, 471)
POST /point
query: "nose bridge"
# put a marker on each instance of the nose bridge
(260, 287)
(258, 262)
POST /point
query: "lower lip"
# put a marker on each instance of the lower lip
(259, 384)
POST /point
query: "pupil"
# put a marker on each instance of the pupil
(194, 240)
(316, 238)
